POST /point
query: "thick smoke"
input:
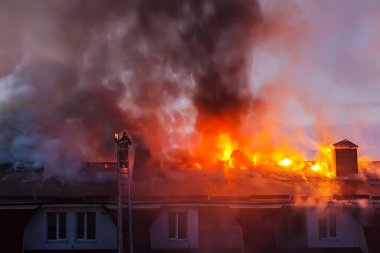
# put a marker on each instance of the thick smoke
(179, 74)
(73, 72)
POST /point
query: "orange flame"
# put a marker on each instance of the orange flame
(226, 147)
(232, 151)
(286, 162)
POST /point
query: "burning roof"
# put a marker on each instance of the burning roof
(98, 185)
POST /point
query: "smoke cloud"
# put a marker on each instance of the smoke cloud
(74, 72)
(178, 74)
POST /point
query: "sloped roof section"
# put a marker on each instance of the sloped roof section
(273, 190)
(97, 183)
(91, 184)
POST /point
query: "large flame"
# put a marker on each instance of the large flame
(226, 146)
(231, 152)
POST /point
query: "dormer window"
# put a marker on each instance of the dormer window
(177, 225)
(85, 226)
(56, 226)
(327, 225)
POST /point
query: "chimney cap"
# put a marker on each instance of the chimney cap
(345, 144)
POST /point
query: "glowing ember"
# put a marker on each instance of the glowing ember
(198, 166)
(315, 167)
(322, 168)
(255, 159)
(286, 162)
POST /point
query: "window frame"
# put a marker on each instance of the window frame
(178, 222)
(85, 226)
(57, 226)
(330, 224)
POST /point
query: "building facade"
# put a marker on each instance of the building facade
(247, 213)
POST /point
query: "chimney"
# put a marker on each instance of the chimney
(345, 158)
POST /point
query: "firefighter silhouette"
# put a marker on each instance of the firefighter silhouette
(124, 143)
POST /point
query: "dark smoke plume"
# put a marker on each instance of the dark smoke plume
(73, 72)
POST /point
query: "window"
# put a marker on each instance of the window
(177, 224)
(327, 226)
(86, 226)
(56, 226)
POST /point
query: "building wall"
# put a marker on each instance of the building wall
(12, 223)
(349, 231)
(35, 234)
(258, 228)
(291, 232)
(159, 230)
(218, 229)
(371, 220)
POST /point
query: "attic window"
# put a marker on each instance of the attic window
(327, 226)
(56, 226)
(86, 225)
(177, 225)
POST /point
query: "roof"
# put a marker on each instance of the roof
(269, 190)
(96, 184)
(87, 185)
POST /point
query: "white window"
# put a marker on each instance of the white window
(177, 225)
(327, 225)
(56, 226)
(85, 226)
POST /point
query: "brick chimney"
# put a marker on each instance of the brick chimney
(345, 158)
